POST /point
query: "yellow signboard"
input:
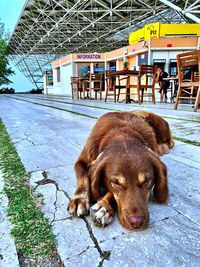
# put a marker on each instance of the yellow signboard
(179, 29)
(152, 30)
(149, 31)
(136, 37)
(156, 30)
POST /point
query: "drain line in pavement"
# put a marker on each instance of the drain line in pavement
(104, 108)
(184, 140)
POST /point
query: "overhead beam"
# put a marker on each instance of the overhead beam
(183, 11)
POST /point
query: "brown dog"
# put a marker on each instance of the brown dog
(121, 158)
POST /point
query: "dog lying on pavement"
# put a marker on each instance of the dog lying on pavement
(119, 166)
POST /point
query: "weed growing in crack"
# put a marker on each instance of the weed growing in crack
(31, 230)
(194, 143)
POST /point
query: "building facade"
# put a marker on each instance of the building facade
(159, 46)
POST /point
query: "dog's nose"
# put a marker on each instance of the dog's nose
(136, 221)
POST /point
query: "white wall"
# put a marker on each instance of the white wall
(45, 86)
(56, 85)
(65, 74)
(167, 55)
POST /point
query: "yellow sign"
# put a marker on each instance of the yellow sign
(136, 37)
(156, 30)
(152, 30)
(149, 31)
(179, 29)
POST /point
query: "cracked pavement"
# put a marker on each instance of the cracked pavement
(49, 141)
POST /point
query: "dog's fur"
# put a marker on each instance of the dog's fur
(121, 158)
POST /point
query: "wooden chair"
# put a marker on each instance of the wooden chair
(95, 84)
(146, 79)
(148, 72)
(76, 87)
(124, 84)
(86, 90)
(113, 84)
(188, 84)
(110, 79)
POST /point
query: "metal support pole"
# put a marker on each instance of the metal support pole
(175, 7)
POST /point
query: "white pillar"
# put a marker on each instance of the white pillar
(149, 53)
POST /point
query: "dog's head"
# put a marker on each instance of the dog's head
(130, 177)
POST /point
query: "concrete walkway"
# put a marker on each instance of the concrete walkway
(49, 135)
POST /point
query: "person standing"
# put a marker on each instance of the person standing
(164, 85)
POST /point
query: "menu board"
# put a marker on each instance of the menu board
(49, 80)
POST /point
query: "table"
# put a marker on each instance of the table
(172, 80)
(126, 73)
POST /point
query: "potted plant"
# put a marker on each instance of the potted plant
(126, 64)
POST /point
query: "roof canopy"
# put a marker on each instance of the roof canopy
(48, 29)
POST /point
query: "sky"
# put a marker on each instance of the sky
(10, 11)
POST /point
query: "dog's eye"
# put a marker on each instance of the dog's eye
(146, 182)
(117, 186)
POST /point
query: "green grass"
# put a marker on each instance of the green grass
(195, 143)
(31, 230)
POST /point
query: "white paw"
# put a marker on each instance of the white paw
(100, 215)
(78, 206)
(82, 210)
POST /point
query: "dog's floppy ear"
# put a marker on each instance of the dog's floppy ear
(160, 189)
(97, 170)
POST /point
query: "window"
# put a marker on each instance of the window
(58, 74)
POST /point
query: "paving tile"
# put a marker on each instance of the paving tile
(49, 193)
(187, 151)
(157, 213)
(46, 156)
(185, 130)
(64, 176)
(186, 154)
(88, 258)
(172, 242)
(61, 206)
(184, 189)
(72, 238)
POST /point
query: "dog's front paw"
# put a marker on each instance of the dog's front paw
(102, 214)
(163, 149)
(79, 206)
